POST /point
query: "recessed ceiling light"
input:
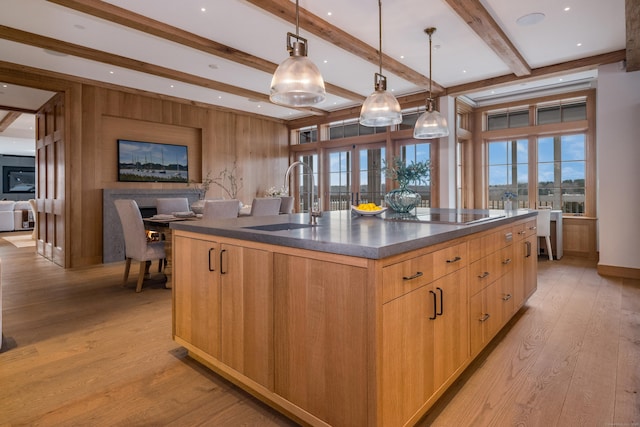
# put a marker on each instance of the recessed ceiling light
(567, 9)
(213, 66)
(203, 9)
(329, 13)
(560, 79)
(4, 85)
(464, 71)
(436, 46)
(401, 56)
(578, 44)
(530, 19)
(325, 61)
(172, 86)
(112, 72)
(219, 96)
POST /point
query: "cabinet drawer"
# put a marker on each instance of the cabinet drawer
(505, 260)
(487, 244)
(450, 259)
(519, 231)
(405, 276)
(531, 228)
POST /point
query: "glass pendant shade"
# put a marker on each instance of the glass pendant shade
(381, 108)
(431, 124)
(297, 82)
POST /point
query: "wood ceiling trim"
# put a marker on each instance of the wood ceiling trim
(32, 39)
(9, 118)
(582, 64)
(141, 23)
(479, 19)
(632, 17)
(317, 26)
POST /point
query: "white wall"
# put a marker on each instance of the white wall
(447, 155)
(618, 163)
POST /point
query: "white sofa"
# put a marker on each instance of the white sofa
(12, 215)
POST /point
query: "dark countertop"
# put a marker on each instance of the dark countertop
(347, 233)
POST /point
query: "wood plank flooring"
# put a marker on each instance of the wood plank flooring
(83, 350)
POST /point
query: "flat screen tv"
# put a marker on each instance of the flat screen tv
(19, 179)
(140, 161)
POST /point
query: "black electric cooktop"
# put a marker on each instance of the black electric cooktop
(443, 216)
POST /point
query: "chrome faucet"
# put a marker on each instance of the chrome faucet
(314, 208)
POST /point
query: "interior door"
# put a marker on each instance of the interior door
(50, 191)
(354, 175)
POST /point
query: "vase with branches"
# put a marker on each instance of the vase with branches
(403, 199)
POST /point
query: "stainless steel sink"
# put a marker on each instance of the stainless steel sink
(286, 226)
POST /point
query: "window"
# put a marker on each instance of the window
(307, 135)
(419, 153)
(351, 128)
(508, 172)
(303, 181)
(561, 172)
(561, 113)
(507, 119)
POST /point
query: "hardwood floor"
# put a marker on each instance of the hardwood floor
(82, 350)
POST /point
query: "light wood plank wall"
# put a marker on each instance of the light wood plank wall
(95, 115)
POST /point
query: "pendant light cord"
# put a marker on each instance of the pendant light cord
(430, 62)
(297, 19)
(380, 33)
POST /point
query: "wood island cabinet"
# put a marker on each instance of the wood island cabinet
(337, 340)
(223, 304)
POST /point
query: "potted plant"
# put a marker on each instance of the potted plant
(404, 199)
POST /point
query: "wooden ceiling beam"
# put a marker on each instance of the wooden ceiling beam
(479, 19)
(9, 118)
(317, 26)
(632, 17)
(159, 29)
(32, 39)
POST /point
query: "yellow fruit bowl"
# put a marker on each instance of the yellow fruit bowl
(368, 210)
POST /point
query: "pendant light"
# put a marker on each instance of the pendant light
(431, 124)
(381, 108)
(297, 82)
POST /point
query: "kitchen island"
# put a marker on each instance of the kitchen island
(358, 321)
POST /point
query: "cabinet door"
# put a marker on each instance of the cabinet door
(247, 311)
(196, 292)
(451, 334)
(407, 354)
(485, 316)
(530, 272)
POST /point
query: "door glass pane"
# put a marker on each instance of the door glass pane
(508, 173)
(372, 180)
(419, 153)
(305, 181)
(339, 180)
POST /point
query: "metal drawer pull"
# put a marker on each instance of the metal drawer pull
(528, 247)
(483, 275)
(415, 276)
(211, 267)
(221, 254)
(507, 261)
(456, 259)
(521, 232)
(435, 306)
(533, 227)
(485, 317)
(507, 297)
(439, 313)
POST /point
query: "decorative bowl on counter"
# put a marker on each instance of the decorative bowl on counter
(368, 211)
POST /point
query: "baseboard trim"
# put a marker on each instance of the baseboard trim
(624, 272)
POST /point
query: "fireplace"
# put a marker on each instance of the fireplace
(112, 238)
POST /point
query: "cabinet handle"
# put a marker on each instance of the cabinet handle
(415, 276)
(439, 313)
(456, 259)
(507, 261)
(533, 227)
(508, 237)
(483, 275)
(211, 267)
(435, 309)
(528, 245)
(507, 297)
(484, 317)
(522, 232)
(221, 264)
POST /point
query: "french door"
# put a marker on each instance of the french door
(354, 175)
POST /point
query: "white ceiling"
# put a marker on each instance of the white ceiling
(588, 28)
